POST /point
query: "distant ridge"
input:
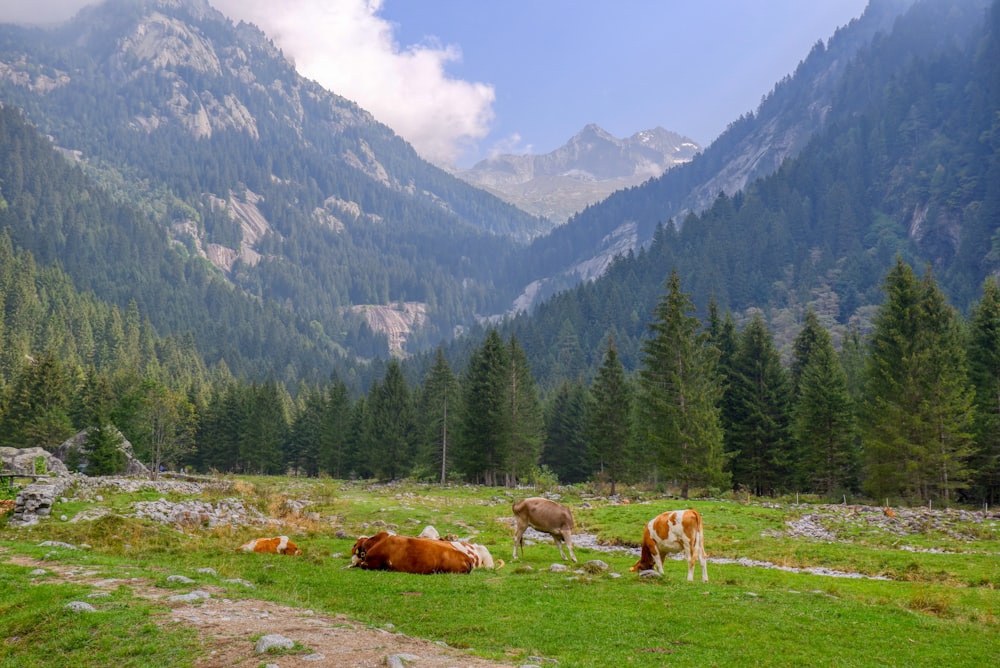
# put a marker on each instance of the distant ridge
(589, 167)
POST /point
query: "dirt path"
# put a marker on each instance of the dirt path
(228, 628)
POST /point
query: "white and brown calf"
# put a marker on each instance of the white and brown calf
(673, 531)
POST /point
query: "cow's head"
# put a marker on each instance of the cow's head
(645, 562)
(358, 552)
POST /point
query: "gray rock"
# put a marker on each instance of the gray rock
(196, 595)
(273, 641)
(56, 543)
(80, 606)
(595, 566)
(183, 579)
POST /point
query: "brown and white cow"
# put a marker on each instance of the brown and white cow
(389, 552)
(276, 545)
(546, 516)
(673, 531)
(480, 554)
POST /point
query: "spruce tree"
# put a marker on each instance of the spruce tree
(984, 371)
(335, 430)
(103, 451)
(565, 450)
(392, 427)
(918, 411)
(524, 414)
(679, 395)
(609, 418)
(439, 412)
(823, 423)
(759, 401)
(483, 439)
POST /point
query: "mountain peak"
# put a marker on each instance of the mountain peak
(587, 168)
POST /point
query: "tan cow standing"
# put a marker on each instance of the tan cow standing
(546, 516)
(673, 531)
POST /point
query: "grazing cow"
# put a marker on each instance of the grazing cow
(388, 552)
(673, 531)
(276, 545)
(547, 516)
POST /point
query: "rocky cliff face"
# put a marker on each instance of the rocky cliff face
(589, 167)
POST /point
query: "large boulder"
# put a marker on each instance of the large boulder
(74, 448)
(23, 461)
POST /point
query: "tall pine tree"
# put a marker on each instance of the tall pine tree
(918, 411)
(823, 423)
(984, 371)
(680, 393)
(759, 400)
(609, 418)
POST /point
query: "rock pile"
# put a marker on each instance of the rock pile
(227, 512)
(35, 501)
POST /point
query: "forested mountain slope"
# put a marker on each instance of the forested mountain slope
(870, 52)
(294, 195)
(913, 173)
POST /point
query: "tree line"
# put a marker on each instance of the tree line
(909, 412)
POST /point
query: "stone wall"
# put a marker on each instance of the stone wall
(35, 501)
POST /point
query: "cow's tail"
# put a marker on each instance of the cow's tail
(499, 563)
(701, 537)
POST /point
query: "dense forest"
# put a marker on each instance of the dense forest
(833, 328)
(911, 412)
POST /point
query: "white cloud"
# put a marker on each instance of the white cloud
(510, 145)
(349, 49)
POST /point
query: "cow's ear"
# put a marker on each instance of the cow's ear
(361, 553)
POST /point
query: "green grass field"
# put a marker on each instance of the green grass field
(939, 605)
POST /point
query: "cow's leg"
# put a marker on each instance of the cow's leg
(657, 561)
(558, 541)
(568, 536)
(691, 559)
(519, 539)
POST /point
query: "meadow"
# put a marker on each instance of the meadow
(923, 589)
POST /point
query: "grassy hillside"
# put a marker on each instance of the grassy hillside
(934, 600)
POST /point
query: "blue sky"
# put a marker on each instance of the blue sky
(462, 79)
(628, 65)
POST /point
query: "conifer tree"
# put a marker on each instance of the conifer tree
(609, 418)
(392, 428)
(565, 450)
(483, 438)
(336, 430)
(918, 410)
(527, 424)
(679, 394)
(103, 451)
(822, 415)
(36, 412)
(759, 401)
(439, 412)
(984, 371)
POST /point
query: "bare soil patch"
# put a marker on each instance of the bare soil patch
(228, 628)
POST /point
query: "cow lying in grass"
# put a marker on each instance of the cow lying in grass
(673, 531)
(546, 516)
(388, 552)
(276, 545)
